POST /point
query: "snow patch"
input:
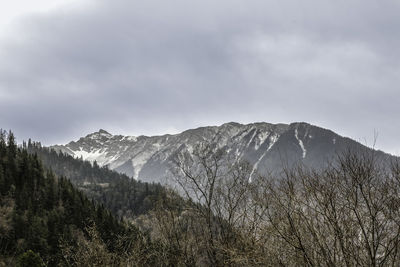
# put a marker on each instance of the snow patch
(157, 145)
(272, 140)
(99, 155)
(189, 148)
(252, 137)
(139, 160)
(130, 138)
(99, 135)
(261, 139)
(108, 135)
(296, 134)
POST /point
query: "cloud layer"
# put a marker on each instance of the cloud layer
(148, 67)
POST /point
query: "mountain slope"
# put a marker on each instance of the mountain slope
(266, 146)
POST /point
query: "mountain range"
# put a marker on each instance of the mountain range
(268, 147)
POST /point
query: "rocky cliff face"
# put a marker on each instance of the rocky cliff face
(266, 146)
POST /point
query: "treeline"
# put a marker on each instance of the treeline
(124, 196)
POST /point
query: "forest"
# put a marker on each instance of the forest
(59, 211)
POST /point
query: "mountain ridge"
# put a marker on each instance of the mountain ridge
(262, 144)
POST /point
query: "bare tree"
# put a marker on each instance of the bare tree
(198, 174)
(346, 215)
(221, 196)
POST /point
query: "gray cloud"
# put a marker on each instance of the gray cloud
(148, 67)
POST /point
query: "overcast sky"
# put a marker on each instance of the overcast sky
(68, 67)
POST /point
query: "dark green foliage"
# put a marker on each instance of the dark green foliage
(40, 211)
(30, 259)
(124, 196)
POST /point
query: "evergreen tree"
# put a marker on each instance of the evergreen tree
(30, 259)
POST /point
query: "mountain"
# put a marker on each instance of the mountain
(268, 147)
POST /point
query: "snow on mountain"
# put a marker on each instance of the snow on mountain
(266, 146)
(296, 134)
